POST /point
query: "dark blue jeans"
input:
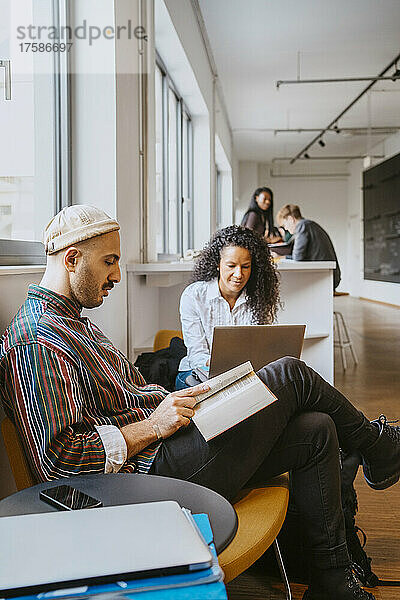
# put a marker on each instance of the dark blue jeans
(301, 433)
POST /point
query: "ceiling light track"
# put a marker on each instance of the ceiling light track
(333, 123)
(360, 130)
(394, 77)
(384, 130)
(348, 157)
(308, 175)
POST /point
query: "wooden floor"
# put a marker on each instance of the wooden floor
(374, 387)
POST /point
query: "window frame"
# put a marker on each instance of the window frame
(30, 252)
(218, 196)
(168, 86)
(189, 176)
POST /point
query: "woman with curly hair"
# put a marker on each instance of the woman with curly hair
(234, 283)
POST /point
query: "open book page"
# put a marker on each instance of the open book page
(232, 403)
(225, 379)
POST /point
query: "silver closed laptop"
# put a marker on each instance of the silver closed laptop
(40, 552)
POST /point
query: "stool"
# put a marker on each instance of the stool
(341, 336)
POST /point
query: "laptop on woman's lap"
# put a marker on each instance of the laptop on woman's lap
(260, 344)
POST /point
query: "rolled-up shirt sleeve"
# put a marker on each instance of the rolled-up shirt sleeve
(114, 446)
(194, 336)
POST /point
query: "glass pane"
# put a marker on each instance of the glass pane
(27, 186)
(173, 245)
(159, 163)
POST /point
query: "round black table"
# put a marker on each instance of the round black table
(125, 488)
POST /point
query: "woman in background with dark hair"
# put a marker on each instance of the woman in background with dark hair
(234, 283)
(260, 215)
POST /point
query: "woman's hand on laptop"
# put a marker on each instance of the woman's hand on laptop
(176, 410)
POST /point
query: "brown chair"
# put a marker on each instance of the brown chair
(261, 512)
(18, 463)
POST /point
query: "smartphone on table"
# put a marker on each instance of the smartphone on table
(66, 497)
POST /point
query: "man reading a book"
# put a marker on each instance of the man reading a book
(81, 407)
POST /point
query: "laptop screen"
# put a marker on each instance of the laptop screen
(260, 344)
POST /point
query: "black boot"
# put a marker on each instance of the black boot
(336, 584)
(360, 562)
(381, 461)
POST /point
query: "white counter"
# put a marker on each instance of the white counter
(159, 273)
(187, 266)
(306, 288)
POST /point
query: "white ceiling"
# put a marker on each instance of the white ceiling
(256, 42)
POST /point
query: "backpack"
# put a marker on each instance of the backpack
(161, 367)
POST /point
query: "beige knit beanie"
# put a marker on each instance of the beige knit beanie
(74, 224)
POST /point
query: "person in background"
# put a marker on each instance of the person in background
(260, 216)
(234, 283)
(311, 241)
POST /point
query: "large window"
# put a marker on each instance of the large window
(174, 179)
(34, 144)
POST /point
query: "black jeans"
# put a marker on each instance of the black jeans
(300, 433)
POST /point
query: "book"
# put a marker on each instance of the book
(233, 396)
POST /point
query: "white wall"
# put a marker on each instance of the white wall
(225, 174)
(222, 129)
(235, 187)
(248, 182)
(323, 201)
(354, 227)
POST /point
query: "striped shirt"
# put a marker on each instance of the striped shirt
(202, 307)
(69, 391)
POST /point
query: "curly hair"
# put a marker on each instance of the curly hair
(262, 288)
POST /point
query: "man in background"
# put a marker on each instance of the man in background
(311, 242)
